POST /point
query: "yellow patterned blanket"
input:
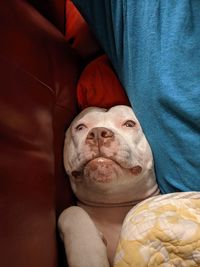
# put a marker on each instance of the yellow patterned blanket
(163, 231)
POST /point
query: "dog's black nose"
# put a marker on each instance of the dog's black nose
(100, 133)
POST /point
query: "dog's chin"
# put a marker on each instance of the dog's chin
(102, 170)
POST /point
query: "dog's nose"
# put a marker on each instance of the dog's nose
(99, 133)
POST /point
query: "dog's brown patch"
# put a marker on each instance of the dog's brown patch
(136, 170)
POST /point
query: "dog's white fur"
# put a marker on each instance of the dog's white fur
(110, 166)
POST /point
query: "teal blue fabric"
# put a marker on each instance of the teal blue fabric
(154, 46)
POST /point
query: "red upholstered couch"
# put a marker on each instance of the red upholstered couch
(38, 76)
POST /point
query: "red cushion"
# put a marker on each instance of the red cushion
(79, 34)
(99, 86)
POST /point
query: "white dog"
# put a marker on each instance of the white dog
(110, 166)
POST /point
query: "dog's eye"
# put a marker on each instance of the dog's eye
(80, 127)
(129, 123)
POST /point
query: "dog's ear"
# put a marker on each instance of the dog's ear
(147, 155)
(68, 148)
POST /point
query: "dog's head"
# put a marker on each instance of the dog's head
(108, 158)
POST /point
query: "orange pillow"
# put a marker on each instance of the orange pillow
(99, 86)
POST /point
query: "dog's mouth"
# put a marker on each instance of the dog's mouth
(135, 170)
(98, 160)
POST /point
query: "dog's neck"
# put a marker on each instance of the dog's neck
(153, 192)
(108, 210)
(111, 213)
(107, 205)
